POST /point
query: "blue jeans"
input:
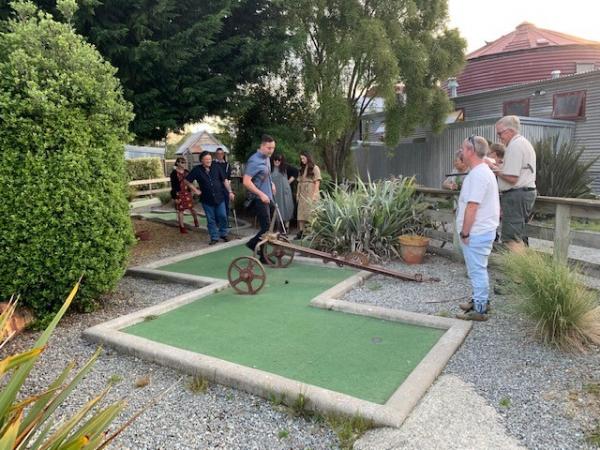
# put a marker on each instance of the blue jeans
(476, 254)
(216, 219)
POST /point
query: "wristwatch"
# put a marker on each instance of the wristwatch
(462, 235)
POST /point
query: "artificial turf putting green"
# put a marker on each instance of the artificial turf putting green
(278, 332)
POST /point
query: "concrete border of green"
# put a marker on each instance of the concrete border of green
(242, 225)
(146, 202)
(265, 384)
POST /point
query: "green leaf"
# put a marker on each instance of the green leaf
(10, 391)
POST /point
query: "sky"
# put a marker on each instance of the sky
(487, 20)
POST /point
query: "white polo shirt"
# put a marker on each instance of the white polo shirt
(519, 161)
(480, 187)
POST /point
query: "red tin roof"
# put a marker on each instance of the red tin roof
(528, 36)
(527, 54)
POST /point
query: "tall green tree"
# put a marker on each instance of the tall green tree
(276, 107)
(180, 60)
(399, 50)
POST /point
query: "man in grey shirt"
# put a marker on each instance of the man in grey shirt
(516, 180)
(257, 180)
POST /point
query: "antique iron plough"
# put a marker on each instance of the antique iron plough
(247, 275)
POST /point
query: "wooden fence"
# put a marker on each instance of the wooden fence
(155, 186)
(563, 210)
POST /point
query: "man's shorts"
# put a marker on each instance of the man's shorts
(517, 206)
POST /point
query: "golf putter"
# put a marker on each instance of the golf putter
(280, 218)
(237, 230)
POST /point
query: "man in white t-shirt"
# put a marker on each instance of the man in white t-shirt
(477, 218)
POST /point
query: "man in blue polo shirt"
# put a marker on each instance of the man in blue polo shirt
(213, 189)
(257, 179)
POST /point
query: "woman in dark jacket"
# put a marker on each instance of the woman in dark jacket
(181, 193)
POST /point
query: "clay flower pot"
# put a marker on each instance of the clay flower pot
(143, 235)
(413, 248)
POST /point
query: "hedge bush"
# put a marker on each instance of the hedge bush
(144, 169)
(64, 210)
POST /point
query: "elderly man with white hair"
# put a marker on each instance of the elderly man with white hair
(516, 180)
(477, 218)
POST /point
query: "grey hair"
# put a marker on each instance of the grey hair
(481, 146)
(510, 122)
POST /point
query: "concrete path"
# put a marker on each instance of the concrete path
(450, 416)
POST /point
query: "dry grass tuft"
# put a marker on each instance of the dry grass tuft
(565, 312)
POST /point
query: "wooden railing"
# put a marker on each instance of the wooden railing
(153, 188)
(563, 210)
(168, 166)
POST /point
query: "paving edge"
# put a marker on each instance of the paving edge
(173, 222)
(265, 384)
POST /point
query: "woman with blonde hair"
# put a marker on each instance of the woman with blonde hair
(180, 192)
(309, 182)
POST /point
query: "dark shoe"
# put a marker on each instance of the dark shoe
(472, 315)
(182, 230)
(468, 306)
(196, 224)
(213, 242)
(224, 238)
(299, 235)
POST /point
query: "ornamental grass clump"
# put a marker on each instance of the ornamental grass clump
(31, 420)
(566, 313)
(367, 217)
(560, 170)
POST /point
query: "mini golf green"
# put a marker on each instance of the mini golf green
(278, 332)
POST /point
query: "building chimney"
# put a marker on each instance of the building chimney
(555, 74)
(453, 86)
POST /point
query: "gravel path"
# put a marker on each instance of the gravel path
(537, 390)
(451, 415)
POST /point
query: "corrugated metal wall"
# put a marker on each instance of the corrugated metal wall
(587, 130)
(482, 110)
(430, 161)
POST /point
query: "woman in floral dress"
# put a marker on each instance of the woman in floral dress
(181, 193)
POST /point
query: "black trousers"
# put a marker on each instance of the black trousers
(263, 214)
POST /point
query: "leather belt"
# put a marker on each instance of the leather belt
(524, 189)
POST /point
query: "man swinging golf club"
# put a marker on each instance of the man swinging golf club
(257, 180)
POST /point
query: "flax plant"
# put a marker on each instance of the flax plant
(29, 422)
(367, 217)
(566, 313)
(560, 171)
